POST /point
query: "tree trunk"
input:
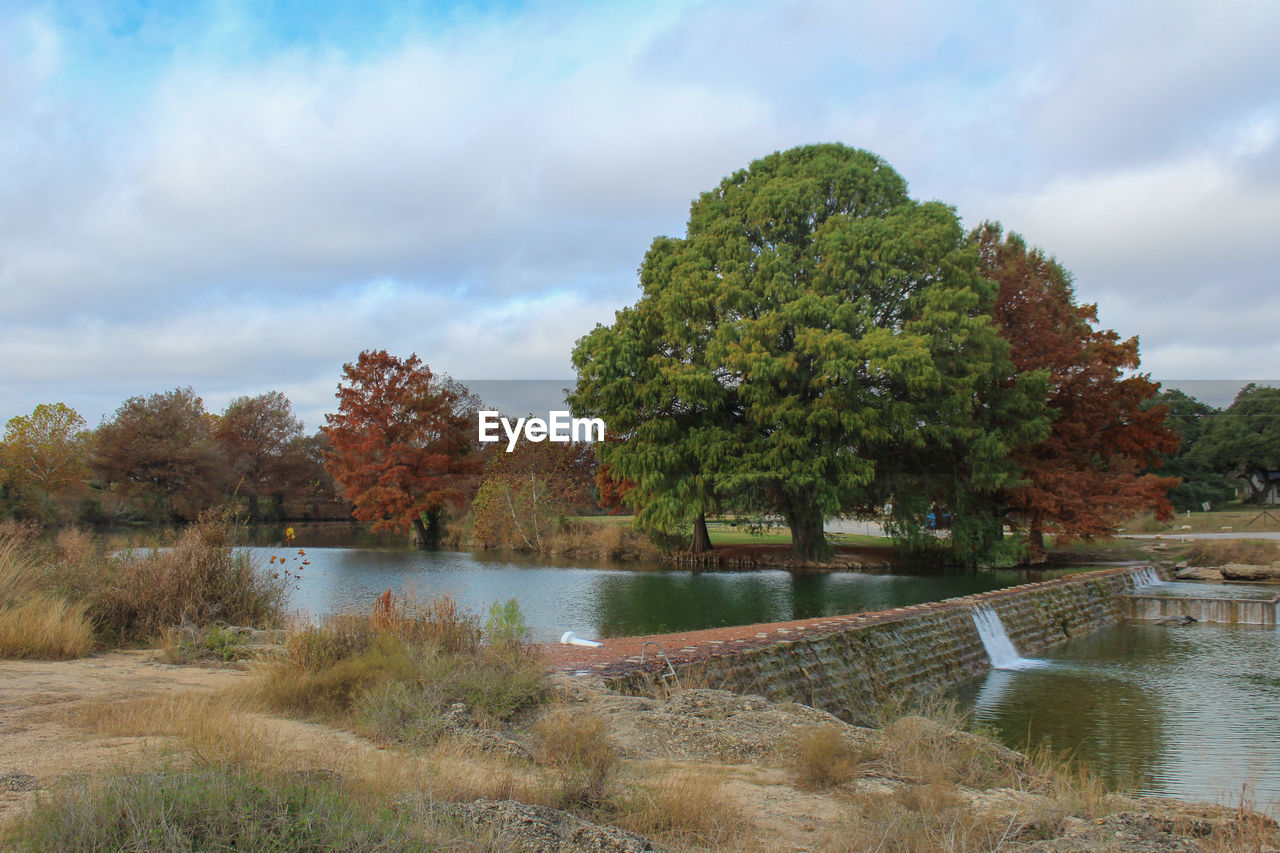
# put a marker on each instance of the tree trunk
(428, 529)
(701, 537)
(1035, 545)
(808, 542)
(419, 533)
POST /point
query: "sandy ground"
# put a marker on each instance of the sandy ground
(36, 697)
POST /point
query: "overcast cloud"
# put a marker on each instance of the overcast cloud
(242, 196)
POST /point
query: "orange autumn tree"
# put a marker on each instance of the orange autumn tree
(1087, 475)
(401, 444)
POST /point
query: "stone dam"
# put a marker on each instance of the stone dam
(851, 665)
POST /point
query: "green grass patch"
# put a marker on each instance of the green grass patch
(211, 810)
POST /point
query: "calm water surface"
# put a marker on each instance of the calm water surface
(1188, 712)
(608, 601)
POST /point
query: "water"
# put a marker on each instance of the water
(1187, 712)
(1146, 578)
(1193, 589)
(596, 600)
(995, 640)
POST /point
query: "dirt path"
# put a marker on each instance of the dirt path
(38, 740)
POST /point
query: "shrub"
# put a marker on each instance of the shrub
(823, 758)
(577, 744)
(506, 625)
(200, 580)
(396, 672)
(208, 810)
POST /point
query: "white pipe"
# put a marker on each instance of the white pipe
(571, 639)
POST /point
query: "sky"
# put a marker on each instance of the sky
(241, 195)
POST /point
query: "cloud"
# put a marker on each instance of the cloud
(221, 196)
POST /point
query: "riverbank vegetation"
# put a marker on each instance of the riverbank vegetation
(416, 727)
(60, 599)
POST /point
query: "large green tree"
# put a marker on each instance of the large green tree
(1198, 483)
(1243, 440)
(816, 342)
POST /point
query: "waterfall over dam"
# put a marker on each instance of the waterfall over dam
(911, 652)
(1221, 611)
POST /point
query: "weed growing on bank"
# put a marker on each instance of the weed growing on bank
(212, 809)
(56, 601)
(1219, 552)
(406, 672)
(34, 622)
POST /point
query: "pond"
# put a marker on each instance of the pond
(604, 600)
(1188, 712)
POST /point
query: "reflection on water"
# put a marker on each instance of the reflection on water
(1188, 712)
(603, 601)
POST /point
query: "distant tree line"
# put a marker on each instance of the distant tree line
(164, 458)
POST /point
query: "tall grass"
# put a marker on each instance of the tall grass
(200, 580)
(211, 809)
(1220, 552)
(33, 622)
(688, 808)
(577, 745)
(399, 672)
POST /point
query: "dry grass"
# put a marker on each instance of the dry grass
(210, 729)
(822, 758)
(1219, 552)
(687, 808)
(200, 580)
(933, 819)
(923, 749)
(585, 539)
(577, 745)
(33, 622)
(20, 575)
(45, 627)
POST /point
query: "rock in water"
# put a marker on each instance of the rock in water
(1176, 621)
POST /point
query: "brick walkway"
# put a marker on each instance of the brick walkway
(620, 655)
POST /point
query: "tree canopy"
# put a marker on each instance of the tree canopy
(159, 452)
(1199, 482)
(43, 454)
(818, 340)
(262, 442)
(1243, 440)
(1087, 473)
(401, 443)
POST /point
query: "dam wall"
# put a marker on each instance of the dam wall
(1221, 611)
(911, 652)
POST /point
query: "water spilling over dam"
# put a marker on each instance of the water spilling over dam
(911, 652)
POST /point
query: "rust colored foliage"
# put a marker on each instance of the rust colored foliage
(1086, 476)
(611, 490)
(401, 443)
